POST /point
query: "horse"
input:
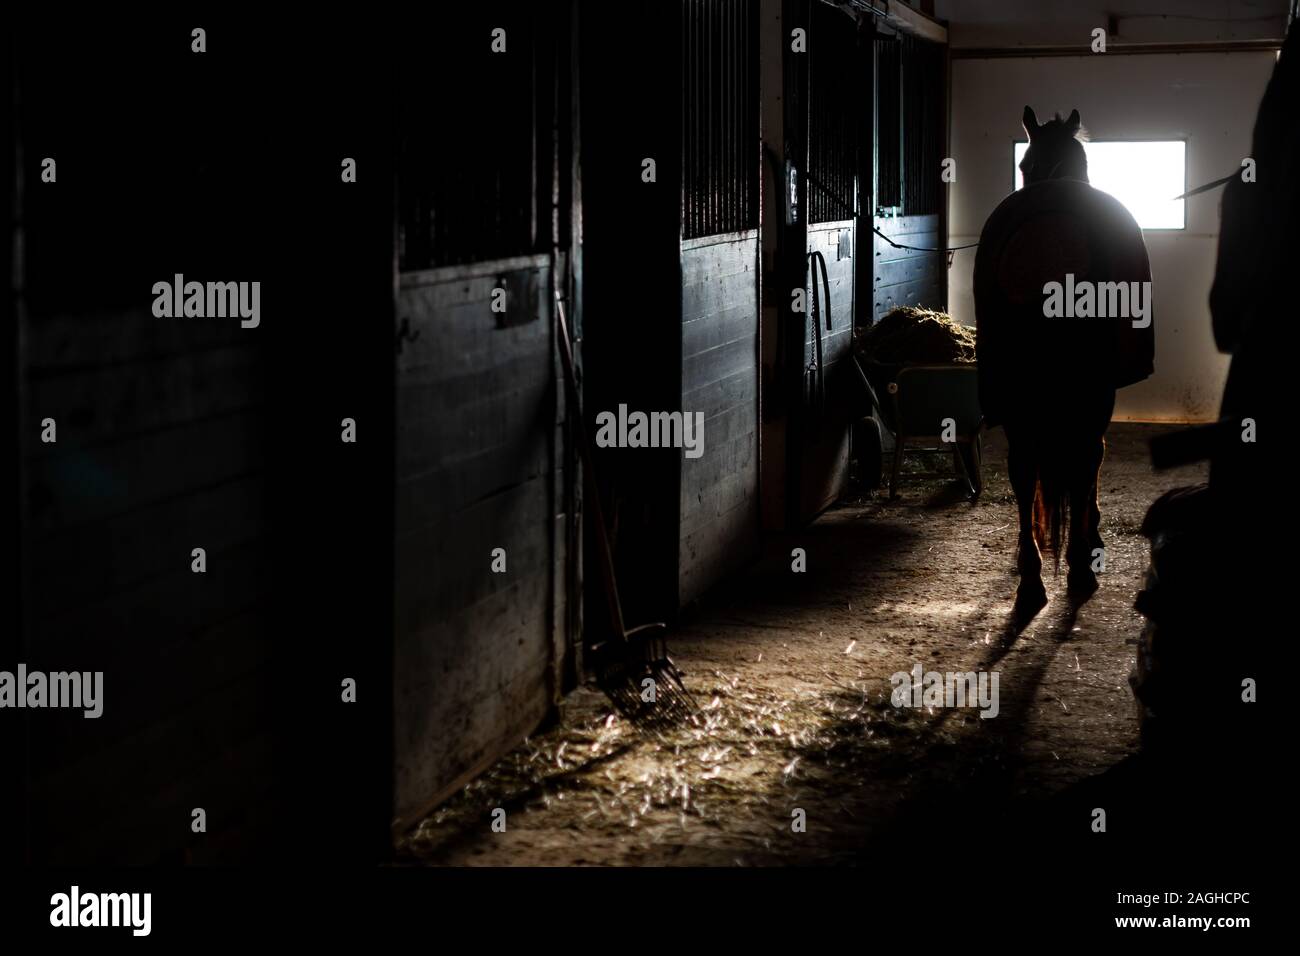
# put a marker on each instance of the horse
(1051, 381)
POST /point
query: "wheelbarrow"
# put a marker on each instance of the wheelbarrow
(929, 408)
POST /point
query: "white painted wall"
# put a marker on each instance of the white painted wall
(1210, 99)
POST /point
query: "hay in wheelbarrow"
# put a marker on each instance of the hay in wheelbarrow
(909, 335)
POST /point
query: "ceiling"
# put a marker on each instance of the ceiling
(1008, 23)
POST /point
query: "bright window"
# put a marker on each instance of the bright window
(1144, 176)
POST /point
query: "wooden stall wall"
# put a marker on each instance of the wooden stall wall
(827, 454)
(721, 156)
(221, 682)
(479, 460)
(909, 276)
(836, 98)
(144, 436)
(158, 453)
(910, 208)
(160, 448)
(719, 514)
(483, 575)
(13, 733)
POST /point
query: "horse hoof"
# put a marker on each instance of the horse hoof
(1031, 596)
(1081, 584)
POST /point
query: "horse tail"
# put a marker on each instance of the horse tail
(1051, 502)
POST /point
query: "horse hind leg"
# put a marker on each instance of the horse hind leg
(1094, 500)
(1022, 469)
(1085, 548)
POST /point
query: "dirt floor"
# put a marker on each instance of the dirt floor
(792, 674)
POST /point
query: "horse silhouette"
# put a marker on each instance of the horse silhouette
(1049, 380)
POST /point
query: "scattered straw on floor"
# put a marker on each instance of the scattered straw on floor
(705, 769)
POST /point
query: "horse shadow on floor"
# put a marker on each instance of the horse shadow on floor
(963, 779)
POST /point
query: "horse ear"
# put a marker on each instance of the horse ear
(1072, 124)
(1030, 122)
